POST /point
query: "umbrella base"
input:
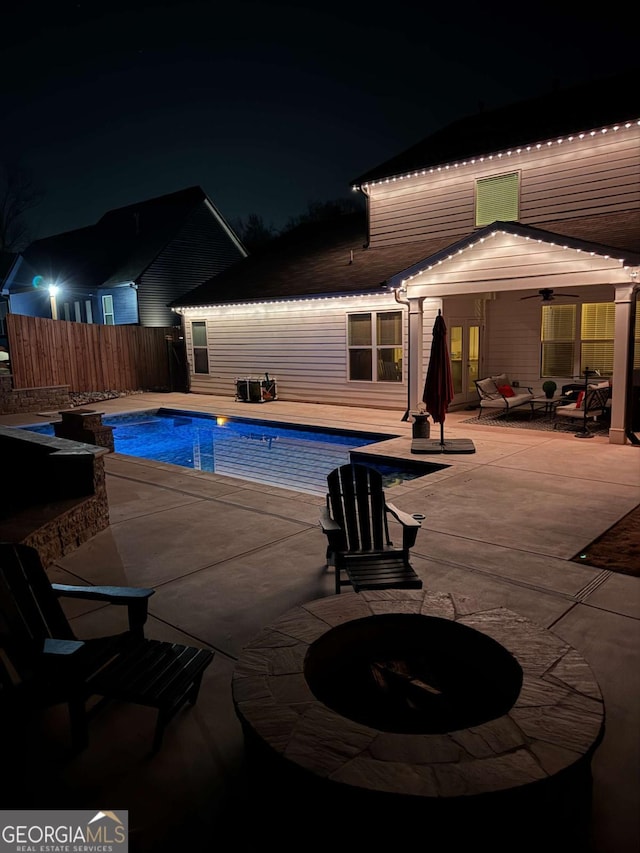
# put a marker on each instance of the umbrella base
(435, 445)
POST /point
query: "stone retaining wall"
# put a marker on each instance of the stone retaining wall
(14, 401)
(55, 495)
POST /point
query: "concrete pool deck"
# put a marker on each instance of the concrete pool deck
(228, 557)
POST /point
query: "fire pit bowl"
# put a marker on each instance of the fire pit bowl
(406, 672)
(420, 710)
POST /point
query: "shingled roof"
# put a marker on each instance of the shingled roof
(327, 258)
(120, 246)
(562, 112)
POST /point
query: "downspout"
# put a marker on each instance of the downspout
(414, 341)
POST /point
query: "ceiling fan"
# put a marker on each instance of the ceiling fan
(547, 295)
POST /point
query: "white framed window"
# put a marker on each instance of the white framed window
(575, 337)
(107, 311)
(374, 342)
(200, 349)
(498, 199)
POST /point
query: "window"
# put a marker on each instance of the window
(107, 311)
(576, 337)
(558, 340)
(200, 351)
(497, 199)
(374, 340)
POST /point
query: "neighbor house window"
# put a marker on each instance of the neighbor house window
(200, 351)
(374, 340)
(107, 311)
(498, 199)
(575, 337)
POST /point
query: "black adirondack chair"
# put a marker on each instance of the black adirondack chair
(355, 522)
(42, 662)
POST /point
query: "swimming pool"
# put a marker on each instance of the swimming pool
(276, 454)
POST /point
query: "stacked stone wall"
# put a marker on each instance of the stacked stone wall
(15, 401)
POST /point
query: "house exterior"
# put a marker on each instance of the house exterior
(128, 266)
(474, 221)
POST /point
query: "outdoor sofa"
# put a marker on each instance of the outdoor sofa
(496, 393)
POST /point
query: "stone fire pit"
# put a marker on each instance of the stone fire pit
(421, 699)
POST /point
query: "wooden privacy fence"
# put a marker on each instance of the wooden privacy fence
(88, 357)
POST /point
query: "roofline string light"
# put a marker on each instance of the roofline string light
(498, 155)
(283, 301)
(475, 243)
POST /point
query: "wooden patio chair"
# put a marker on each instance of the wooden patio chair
(355, 522)
(42, 662)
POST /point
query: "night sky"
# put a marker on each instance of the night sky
(266, 106)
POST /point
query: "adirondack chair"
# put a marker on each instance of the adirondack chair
(355, 522)
(42, 662)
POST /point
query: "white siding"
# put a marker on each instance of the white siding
(594, 175)
(301, 344)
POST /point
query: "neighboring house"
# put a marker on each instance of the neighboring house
(128, 266)
(473, 220)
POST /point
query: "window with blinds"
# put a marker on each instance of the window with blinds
(558, 340)
(576, 337)
(498, 199)
(596, 333)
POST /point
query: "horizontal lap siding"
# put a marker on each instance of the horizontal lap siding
(86, 357)
(202, 249)
(590, 176)
(304, 349)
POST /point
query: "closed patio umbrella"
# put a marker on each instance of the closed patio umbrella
(438, 394)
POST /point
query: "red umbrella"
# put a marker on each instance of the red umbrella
(438, 387)
(439, 392)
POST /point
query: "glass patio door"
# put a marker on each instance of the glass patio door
(464, 350)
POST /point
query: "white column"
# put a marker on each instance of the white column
(416, 380)
(621, 354)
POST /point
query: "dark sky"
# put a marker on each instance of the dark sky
(267, 106)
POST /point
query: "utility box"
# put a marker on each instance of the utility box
(250, 390)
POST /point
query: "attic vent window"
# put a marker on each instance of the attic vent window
(497, 199)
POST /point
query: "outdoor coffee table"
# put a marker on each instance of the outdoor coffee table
(545, 404)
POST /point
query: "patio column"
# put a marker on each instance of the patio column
(415, 352)
(624, 298)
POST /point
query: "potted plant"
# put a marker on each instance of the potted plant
(549, 388)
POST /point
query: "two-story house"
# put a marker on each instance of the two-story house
(128, 266)
(522, 225)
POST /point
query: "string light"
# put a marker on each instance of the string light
(512, 234)
(471, 162)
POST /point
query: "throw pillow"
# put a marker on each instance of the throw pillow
(506, 391)
(579, 400)
(501, 379)
(488, 389)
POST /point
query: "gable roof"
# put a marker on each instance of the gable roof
(591, 105)
(120, 246)
(539, 235)
(332, 259)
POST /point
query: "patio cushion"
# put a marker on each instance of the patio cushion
(489, 389)
(501, 379)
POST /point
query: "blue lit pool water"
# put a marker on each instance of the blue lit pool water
(276, 454)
